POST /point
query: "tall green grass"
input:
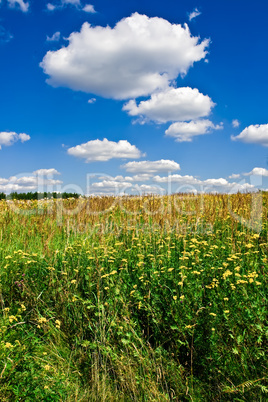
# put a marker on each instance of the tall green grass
(134, 299)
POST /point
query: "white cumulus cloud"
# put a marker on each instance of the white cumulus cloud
(62, 4)
(23, 6)
(8, 138)
(135, 58)
(135, 178)
(234, 176)
(51, 7)
(74, 2)
(190, 183)
(254, 134)
(144, 189)
(177, 178)
(217, 182)
(195, 13)
(185, 131)
(54, 38)
(40, 180)
(105, 150)
(46, 172)
(235, 123)
(173, 104)
(108, 185)
(118, 178)
(23, 137)
(89, 8)
(142, 177)
(148, 167)
(257, 171)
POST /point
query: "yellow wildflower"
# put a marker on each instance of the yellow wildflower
(12, 318)
(226, 274)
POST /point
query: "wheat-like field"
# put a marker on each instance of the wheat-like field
(134, 298)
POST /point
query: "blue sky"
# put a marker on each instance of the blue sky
(182, 108)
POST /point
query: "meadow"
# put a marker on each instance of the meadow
(134, 298)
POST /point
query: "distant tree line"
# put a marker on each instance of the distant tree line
(36, 196)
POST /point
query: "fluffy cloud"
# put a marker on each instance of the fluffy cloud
(142, 177)
(233, 188)
(148, 189)
(54, 38)
(46, 172)
(51, 7)
(135, 58)
(8, 138)
(177, 178)
(91, 100)
(19, 3)
(254, 134)
(109, 187)
(148, 167)
(105, 150)
(183, 131)
(40, 180)
(190, 183)
(257, 172)
(135, 178)
(234, 176)
(24, 137)
(63, 3)
(216, 182)
(173, 183)
(73, 2)
(173, 104)
(118, 178)
(89, 8)
(34, 181)
(235, 123)
(195, 13)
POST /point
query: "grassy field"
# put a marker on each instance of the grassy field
(134, 299)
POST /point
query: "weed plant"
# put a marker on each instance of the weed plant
(134, 299)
